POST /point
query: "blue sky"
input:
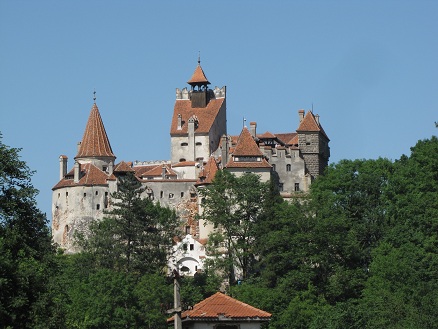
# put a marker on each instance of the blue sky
(368, 68)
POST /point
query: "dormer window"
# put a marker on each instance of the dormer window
(184, 144)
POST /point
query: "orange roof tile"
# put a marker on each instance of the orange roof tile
(220, 305)
(309, 124)
(123, 167)
(205, 115)
(198, 77)
(246, 146)
(266, 135)
(252, 164)
(207, 174)
(90, 176)
(157, 171)
(95, 142)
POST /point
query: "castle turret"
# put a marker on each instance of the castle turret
(95, 147)
(313, 143)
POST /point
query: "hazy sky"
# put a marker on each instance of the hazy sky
(368, 68)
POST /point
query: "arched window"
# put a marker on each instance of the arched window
(288, 167)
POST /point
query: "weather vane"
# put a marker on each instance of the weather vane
(94, 95)
(199, 57)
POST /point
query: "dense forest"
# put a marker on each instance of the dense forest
(359, 251)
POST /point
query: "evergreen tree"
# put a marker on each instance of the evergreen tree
(136, 235)
(25, 243)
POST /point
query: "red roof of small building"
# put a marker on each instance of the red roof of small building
(90, 175)
(246, 146)
(123, 167)
(220, 306)
(95, 142)
(198, 77)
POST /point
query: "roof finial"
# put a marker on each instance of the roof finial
(199, 57)
(94, 95)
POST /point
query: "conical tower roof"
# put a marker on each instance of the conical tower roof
(95, 142)
(198, 77)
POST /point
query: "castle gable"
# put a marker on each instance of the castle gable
(204, 117)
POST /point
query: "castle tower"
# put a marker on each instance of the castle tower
(83, 193)
(95, 147)
(198, 122)
(313, 143)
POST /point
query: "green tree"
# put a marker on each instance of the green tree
(136, 235)
(25, 244)
(402, 291)
(234, 206)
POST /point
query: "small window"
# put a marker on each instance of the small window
(161, 194)
(192, 246)
(185, 246)
(104, 168)
(66, 194)
(280, 187)
(198, 144)
(182, 160)
(184, 144)
(97, 192)
(182, 194)
(85, 194)
(171, 195)
(273, 167)
(297, 187)
(187, 229)
(97, 206)
(59, 194)
(288, 167)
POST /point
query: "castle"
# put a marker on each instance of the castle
(200, 146)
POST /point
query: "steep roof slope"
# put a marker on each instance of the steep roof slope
(95, 142)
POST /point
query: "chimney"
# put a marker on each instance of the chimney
(62, 166)
(163, 172)
(111, 168)
(301, 114)
(77, 171)
(179, 122)
(317, 119)
(79, 146)
(253, 129)
(224, 151)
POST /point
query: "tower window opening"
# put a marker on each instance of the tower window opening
(182, 194)
(97, 192)
(85, 194)
(297, 187)
(97, 206)
(288, 167)
(192, 246)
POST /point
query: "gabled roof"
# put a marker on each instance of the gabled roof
(123, 167)
(205, 115)
(95, 142)
(246, 146)
(220, 306)
(198, 77)
(90, 175)
(207, 174)
(157, 171)
(309, 123)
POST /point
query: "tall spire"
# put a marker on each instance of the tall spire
(198, 78)
(95, 142)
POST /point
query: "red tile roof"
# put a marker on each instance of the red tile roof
(207, 174)
(243, 164)
(95, 142)
(157, 171)
(206, 115)
(219, 306)
(198, 77)
(309, 123)
(246, 146)
(90, 176)
(123, 167)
